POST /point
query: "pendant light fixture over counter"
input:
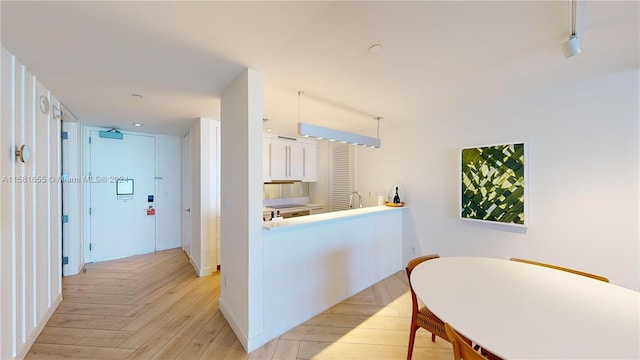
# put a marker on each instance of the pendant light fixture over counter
(319, 132)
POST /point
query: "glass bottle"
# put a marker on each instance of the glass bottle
(396, 197)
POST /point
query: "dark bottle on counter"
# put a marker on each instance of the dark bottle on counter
(396, 198)
(271, 215)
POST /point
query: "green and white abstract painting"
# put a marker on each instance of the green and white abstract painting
(493, 180)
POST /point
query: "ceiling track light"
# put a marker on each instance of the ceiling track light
(571, 47)
(323, 133)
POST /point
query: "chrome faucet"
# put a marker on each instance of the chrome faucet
(351, 199)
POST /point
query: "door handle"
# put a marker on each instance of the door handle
(188, 210)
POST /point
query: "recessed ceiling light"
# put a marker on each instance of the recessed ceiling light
(137, 124)
(137, 96)
(269, 130)
(375, 48)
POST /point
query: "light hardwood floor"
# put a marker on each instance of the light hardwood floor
(154, 307)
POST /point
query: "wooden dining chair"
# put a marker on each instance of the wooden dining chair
(421, 316)
(461, 350)
(597, 277)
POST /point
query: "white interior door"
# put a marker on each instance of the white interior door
(186, 193)
(122, 224)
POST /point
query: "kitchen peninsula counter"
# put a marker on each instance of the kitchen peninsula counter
(326, 217)
(314, 262)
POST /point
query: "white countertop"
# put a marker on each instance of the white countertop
(329, 216)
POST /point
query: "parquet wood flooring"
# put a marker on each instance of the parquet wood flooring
(154, 307)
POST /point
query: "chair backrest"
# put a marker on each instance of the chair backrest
(597, 277)
(417, 261)
(461, 350)
(410, 266)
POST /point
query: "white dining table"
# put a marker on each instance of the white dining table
(523, 311)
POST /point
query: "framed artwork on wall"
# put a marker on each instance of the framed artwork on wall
(493, 184)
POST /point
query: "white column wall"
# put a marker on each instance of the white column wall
(30, 210)
(241, 206)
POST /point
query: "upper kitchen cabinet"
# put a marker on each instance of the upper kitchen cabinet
(289, 159)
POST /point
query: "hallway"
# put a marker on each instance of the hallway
(154, 307)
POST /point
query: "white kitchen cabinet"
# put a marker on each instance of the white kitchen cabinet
(310, 162)
(280, 155)
(289, 159)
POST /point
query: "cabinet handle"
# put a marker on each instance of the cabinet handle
(304, 162)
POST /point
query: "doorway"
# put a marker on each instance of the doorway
(122, 191)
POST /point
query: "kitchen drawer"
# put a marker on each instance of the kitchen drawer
(295, 214)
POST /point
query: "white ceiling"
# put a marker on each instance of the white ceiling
(182, 55)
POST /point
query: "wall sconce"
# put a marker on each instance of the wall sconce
(320, 132)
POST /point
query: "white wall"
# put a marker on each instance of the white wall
(583, 163)
(168, 205)
(30, 235)
(205, 194)
(241, 192)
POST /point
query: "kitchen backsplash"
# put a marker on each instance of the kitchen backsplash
(281, 191)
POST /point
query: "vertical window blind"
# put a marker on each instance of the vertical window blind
(340, 175)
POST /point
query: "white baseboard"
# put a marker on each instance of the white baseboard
(36, 332)
(195, 266)
(242, 337)
(206, 271)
